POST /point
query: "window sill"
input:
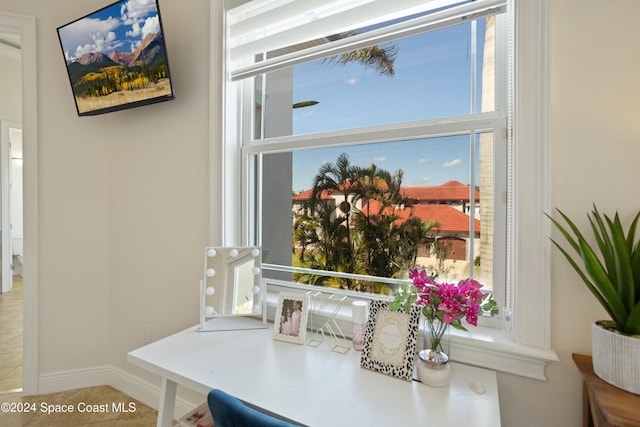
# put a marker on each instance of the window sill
(483, 347)
(492, 349)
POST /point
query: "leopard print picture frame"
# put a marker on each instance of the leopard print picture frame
(390, 340)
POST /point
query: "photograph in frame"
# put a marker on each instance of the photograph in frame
(290, 323)
(390, 340)
(116, 58)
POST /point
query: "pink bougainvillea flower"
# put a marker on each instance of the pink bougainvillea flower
(449, 303)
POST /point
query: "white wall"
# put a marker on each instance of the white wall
(11, 99)
(595, 146)
(158, 194)
(123, 197)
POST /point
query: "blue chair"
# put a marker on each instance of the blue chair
(229, 411)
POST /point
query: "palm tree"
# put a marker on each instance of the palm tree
(416, 233)
(376, 185)
(336, 178)
(321, 240)
(380, 58)
(376, 240)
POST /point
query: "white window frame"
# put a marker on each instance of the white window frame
(527, 349)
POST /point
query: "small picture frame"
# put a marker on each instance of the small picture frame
(290, 323)
(390, 340)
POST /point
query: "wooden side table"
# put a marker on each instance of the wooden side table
(604, 405)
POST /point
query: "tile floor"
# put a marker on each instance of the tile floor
(108, 401)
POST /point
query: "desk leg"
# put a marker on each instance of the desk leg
(167, 403)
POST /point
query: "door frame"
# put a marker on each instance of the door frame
(25, 26)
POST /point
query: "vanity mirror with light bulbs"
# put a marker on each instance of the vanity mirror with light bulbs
(232, 291)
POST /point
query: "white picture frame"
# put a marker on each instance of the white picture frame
(390, 340)
(290, 323)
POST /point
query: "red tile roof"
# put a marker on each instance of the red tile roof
(306, 195)
(452, 191)
(450, 220)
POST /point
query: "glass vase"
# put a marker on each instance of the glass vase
(436, 335)
(433, 364)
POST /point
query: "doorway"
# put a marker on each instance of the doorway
(11, 240)
(23, 28)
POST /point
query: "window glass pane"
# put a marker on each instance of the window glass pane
(379, 209)
(415, 78)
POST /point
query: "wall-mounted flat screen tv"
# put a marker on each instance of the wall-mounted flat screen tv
(116, 58)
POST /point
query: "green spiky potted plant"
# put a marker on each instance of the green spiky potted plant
(611, 271)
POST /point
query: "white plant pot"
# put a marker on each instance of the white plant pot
(616, 358)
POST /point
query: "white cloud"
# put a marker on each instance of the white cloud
(151, 26)
(452, 163)
(352, 81)
(135, 13)
(135, 10)
(103, 42)
(135, 30)
(88, 35)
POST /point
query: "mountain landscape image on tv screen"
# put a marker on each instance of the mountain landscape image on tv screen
(116, 58)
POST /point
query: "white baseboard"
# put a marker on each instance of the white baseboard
(146, 392)
(132, 385)
(72, 379)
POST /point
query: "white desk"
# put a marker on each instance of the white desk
(313, 386)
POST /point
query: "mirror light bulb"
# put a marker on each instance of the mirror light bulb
(211, 272)
(256, 309)
(255, 271)
(255, 289)
(210, 291)
(255, 252)
(211, 252)
(233, 253)
(208, 310)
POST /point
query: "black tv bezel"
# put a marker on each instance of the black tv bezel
(126, 105)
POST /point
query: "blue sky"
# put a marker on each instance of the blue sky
(121, 27)
(432, 80)
(424, 162)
